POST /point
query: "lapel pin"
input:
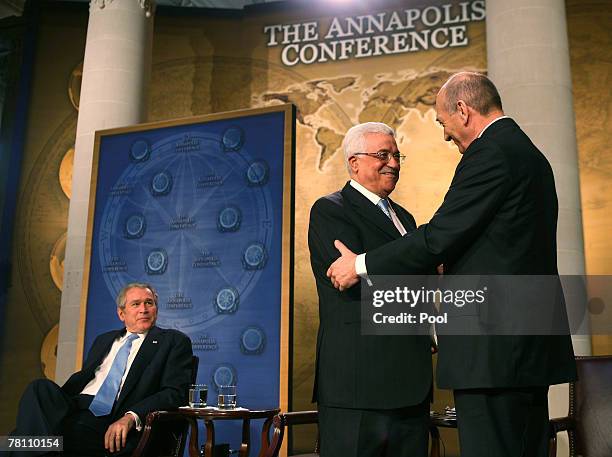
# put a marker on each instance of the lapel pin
(154, 341)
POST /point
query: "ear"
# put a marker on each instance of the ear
(463, 111)
(121, 314)
(353, 164)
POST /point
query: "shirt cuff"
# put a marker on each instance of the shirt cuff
(136, 419)
(360, 268)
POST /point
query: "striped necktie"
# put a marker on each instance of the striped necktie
(383, 204)
(102, 404)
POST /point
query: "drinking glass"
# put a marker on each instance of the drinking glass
(227, 397)
(198, 394)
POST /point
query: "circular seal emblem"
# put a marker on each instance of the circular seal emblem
(226, 300)
(161, 183)
(233, 139)
(135, 226)
(224, 375)
(229, 219)
(252, 341)
(156, 262)
(254, 257)
(258, 173)
(140, 151)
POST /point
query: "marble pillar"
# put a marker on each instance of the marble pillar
(116, 73)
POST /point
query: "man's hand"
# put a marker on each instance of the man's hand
(342, 272)
(117, 432)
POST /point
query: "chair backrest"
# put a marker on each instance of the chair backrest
(195, 363)
(591, 408)
(282, 421)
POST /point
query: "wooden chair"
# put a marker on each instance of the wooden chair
(164, 434)
(437, 420)
(589, 420)
(283, 420)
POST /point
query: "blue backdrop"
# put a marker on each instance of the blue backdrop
(197, 210)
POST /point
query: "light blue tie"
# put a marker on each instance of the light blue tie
(383, 204)
(102, 404)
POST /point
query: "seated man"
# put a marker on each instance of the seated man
(128, 373)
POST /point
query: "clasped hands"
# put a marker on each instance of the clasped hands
(342, 272)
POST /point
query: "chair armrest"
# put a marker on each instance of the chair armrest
(300, 417)
(163, 431)
(280, 423)
(561, 424)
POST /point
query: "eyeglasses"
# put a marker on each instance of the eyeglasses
(385, 156)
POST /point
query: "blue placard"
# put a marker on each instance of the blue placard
(195, 207)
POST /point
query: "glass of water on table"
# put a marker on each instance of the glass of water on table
(227, 397)
(198, 394)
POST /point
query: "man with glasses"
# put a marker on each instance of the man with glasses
(128, 372)
(373, 392)
(499, 217)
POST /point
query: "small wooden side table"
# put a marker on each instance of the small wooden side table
(209, 415)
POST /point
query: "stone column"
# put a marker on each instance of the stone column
(114, 93)
(528, 60)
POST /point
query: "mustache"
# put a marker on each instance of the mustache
(390, 170)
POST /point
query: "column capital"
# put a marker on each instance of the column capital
(148, 6)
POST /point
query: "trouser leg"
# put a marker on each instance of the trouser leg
(401, 432)
(502, 422)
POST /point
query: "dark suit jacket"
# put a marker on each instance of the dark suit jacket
(499, 217)
(158, 378)
(355, 371)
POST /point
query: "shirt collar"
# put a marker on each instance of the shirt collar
(491, 123)
(365, 192)
(127, 333)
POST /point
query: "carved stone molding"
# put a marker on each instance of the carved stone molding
(147, 5)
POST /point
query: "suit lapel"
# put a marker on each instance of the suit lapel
(367, 210)
(101, 350)
(145, 354)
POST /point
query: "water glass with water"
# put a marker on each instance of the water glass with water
(227, 397)
(198, 394)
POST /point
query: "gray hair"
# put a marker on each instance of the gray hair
(475, 89)
(354, 140)
(134, 285)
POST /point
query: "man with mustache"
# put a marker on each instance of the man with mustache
(373, 392)
(128, 373)
(499, 217)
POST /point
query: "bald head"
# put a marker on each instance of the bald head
(465, 105)
(475, 89)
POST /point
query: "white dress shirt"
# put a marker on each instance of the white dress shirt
(94, 385)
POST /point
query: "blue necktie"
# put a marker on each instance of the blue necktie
(383, 204)
(102, 404)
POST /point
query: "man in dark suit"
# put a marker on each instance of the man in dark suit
(128, 373)
(499, 217)
(373, 392)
